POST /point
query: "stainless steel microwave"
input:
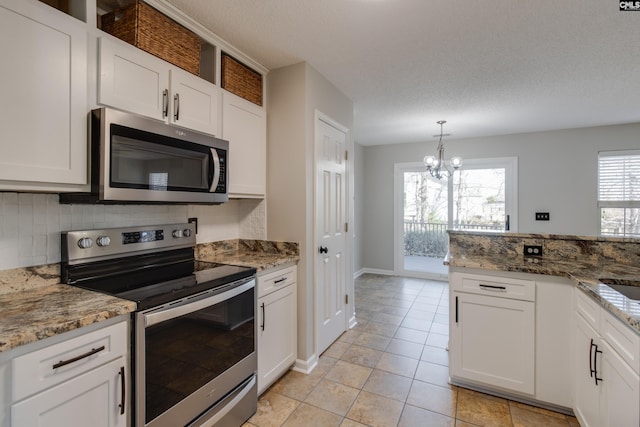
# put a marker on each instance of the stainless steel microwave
(139, 160)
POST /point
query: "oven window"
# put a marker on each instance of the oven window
(185, 353)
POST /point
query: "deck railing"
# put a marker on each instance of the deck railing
(430, 238)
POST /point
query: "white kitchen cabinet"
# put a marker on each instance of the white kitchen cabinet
(80, 381)
(91, 399)
(244, 125)
(607, 381)
(43, 113)
(277, 326)
(133, 80)
(492, 332)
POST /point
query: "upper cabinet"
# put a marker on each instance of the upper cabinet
(43, 114)
(132, 80)
(63, 58)
(244, 125)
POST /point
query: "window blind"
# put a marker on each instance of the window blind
(619, 179)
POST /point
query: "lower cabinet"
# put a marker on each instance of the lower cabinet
(607, 384)
(91, 399)
(277, 325)
(492, 338)
(79, 382)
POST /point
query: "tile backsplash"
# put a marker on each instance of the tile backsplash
(30, 223)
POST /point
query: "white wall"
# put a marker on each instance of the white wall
(557, 173)
(30, 224)
(294, 94)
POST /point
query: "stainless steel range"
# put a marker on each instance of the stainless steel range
(194, 333)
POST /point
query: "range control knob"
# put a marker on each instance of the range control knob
(85, 243)
(103, 241)
(186, 232)
(177, 234)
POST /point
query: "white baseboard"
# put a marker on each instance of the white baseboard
(306, 366)
(373, 271)
(352, 322)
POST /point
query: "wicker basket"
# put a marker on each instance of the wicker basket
(144, 27)
(241, 80)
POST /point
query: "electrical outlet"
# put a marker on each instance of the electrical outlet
(195, 221)
(532, 250)
(542, 216)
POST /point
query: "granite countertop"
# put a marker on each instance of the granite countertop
(584, 274)
(36, 306)
(259, 254)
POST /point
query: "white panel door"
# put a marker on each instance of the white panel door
(132, 80)
(276, 334)
(493, 341)
(621, 390)
(91, 399)
(244, 125)
(43, 112)
(330, 232)
(194, 102)
(587, 397)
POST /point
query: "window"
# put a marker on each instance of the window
(619, 193)
(482, 196)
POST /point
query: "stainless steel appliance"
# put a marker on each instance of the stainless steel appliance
(194, 332)
(139, 160)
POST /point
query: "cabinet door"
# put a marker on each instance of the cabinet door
(194, 102)
(91, 399)
(43, 112)
(493, 341)
(621, 391)
(132, 80)
(587, 394)
(244, 125)
(276, 335)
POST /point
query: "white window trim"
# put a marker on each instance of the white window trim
(622, 204)
(510, 165)
(511, 197)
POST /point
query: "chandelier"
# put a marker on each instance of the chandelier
(437, 166)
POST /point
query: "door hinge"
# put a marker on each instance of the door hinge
(346, 155)
(346, 227)
(346, 299)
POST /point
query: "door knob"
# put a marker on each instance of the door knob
(323, 249)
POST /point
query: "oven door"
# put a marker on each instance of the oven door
(192, 353)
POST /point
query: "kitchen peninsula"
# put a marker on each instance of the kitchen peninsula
(531, 318)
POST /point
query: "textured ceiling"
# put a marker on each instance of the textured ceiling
(488, 67)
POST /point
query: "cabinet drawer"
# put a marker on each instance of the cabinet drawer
(41, 369)
(622, 339)
(275, 280)
(588, 309)
(494, 286)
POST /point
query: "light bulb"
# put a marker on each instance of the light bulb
(430, 161)
(456, 162)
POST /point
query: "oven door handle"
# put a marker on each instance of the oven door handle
(156, 317)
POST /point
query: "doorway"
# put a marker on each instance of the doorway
(482, 196)
(331, 267)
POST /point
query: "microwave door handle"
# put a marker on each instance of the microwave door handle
(216, 170)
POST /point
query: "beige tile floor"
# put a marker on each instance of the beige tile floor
(391, 370)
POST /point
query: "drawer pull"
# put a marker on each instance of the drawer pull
(275, 282)
(493, 288)
(93, 351)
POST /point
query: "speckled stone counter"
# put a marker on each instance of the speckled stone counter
(585, 260)
(34, 306)
(259, 254)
